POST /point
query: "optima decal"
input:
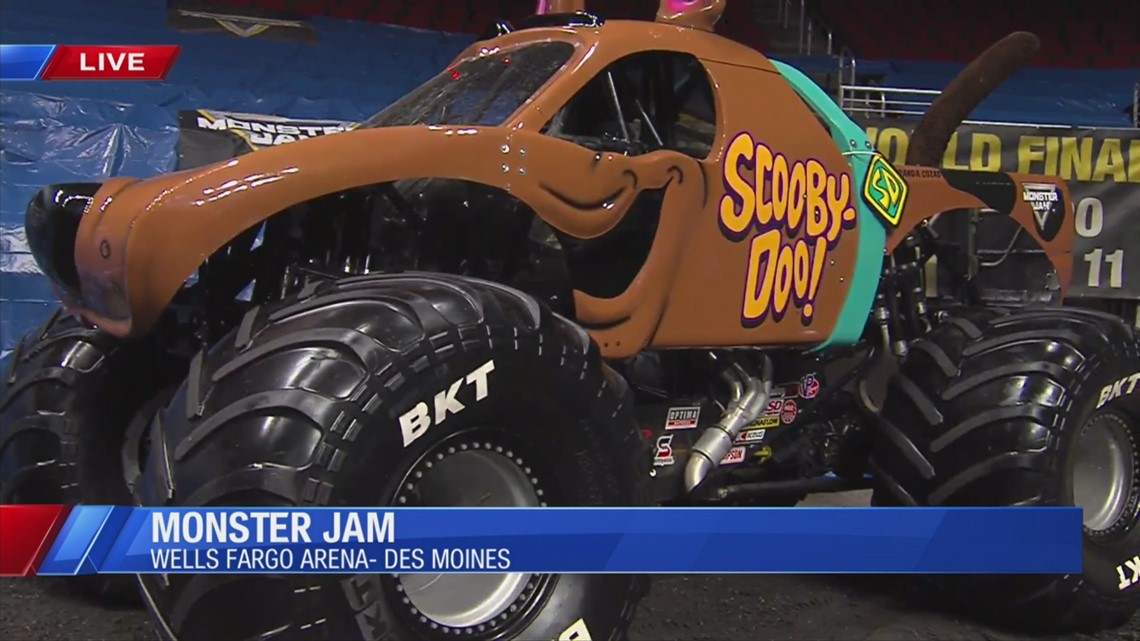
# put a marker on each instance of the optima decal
(797, 212)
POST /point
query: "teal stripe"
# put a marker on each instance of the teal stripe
(872, 233)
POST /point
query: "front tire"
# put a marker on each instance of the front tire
(334, 398)
(65, 405)
(1000, 408)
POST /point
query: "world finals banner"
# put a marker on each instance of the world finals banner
(64, 541)
(1102, 167)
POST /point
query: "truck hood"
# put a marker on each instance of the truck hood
(141, 239)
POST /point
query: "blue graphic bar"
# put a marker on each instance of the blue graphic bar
(23, 62)
(569, 540)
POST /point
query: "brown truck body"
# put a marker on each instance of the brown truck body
(758, 242)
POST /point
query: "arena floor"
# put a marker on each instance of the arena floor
(693, 608)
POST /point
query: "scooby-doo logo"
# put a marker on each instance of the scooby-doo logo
(797, 211)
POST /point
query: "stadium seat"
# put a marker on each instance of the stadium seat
(1073, 35)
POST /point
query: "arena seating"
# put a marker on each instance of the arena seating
(1077, 35)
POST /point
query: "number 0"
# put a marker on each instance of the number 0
(1090, 217)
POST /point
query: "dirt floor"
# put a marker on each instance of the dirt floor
(696, 608)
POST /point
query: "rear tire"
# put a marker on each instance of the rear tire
(303, 404)
(992, 409)
(65, 403)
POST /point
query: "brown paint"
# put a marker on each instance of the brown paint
(931, 195)
(143, 239)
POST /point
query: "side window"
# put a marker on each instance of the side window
(642, 103)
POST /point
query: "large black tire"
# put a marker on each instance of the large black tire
(66, 400)
(987, 411)
(301, 406)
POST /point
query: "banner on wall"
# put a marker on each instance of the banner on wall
(1102, 167)
(198, 16)
(211, 136)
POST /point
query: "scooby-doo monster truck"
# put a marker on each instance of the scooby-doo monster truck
(588, 264)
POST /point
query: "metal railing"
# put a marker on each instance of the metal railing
(1136, 105)
(796, 14)
(783, 10)
(873, 101)
(809, 24)
(848, 71)
(812, 25)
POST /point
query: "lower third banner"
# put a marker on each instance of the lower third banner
(99, 539)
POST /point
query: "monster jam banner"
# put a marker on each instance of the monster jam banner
(196, 16)
(212, 136)
(1102, 167)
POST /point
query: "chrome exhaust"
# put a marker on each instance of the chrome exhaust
(749, 396)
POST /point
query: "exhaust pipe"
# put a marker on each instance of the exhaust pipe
(749, 397)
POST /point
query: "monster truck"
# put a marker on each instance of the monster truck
(591, 263)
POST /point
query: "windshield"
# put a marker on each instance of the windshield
(478, 91)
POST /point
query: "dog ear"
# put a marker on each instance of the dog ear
(696, 14)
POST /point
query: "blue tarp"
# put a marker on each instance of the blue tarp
(1036, 95)
(72, 131)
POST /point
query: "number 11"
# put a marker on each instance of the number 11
(1115, 262)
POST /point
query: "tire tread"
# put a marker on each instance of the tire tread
(931, 455)
(391, 327)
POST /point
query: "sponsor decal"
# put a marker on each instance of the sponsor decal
(682, 418)
(774, 407)
(795, 213)
(1116, 389)
(764, 453)
(663, 455)
(1129, 572)
(809, 387)
(920, 172)
(885, 191)
(1048, 210)
(750, 436)
(734, 456)
(766, 422)
(785, 391)
(788, 415)
(417, 421)
(576, 632)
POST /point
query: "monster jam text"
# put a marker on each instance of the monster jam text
(253, 527)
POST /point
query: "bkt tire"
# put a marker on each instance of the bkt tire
(410, 389)
(1023, 408)
(66, 401)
